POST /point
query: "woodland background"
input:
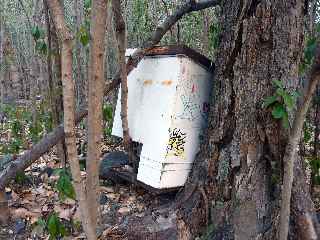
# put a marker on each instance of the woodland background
(31, 106)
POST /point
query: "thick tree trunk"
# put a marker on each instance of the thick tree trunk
(236, 178)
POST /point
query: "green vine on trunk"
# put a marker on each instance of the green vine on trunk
(281, 103)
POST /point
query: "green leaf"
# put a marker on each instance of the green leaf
(20, 178)
(280, 92)
(277, 83)
(87, 4)
(214, 32)
(310, 50)
(35, 31)
(41, 47)
(84, 36)
(107, 113)
(278, 111)
(41, 222)
(53, 225)
(16, 128)
(269, 101)
(65, 187)
(288, 101)
(55, 228)
(307, 133)
(295, 95)
(302, 68)
(36, 130)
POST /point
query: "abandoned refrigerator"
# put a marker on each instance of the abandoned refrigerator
(168, 105)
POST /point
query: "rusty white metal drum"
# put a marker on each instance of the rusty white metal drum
(168, 104)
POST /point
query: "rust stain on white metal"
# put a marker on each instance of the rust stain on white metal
(166, 82)
(147, 82)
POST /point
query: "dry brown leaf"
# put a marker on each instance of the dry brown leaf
(64, 212)
(77, 215)
(24, 213)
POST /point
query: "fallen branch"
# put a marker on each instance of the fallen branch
(29, 156)
(291, 148)
(51, 139)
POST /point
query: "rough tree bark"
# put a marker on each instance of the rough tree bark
(66, 38)
(235, 180)
(95, 101)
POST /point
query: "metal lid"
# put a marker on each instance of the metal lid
(182, 50)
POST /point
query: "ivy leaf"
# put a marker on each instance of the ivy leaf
(278, 111)
(288, 101)
(41, 47)
(269, 101)
(280, 92)
(277, 83)
(87, 4)
(35, 31)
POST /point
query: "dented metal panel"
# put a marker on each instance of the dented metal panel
(168, 104)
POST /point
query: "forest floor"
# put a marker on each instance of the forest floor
(33, 196)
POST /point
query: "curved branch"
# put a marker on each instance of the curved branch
(291, 148)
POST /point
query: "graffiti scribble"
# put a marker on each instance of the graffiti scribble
(176, 143)
(191, 110)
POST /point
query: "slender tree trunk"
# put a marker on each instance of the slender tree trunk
(95, 101)
(53, 93)
(1, 58)
(316, 148)
(69, 113)
(57, 91)
(79, 71)
(35, 67)
(120, 28)
(236, 177)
